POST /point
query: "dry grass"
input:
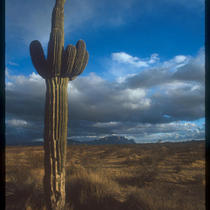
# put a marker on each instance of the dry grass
(165, 176)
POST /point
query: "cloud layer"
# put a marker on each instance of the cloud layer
(29, 20)
(158, 100)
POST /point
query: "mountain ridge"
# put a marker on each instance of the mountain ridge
(105, 140)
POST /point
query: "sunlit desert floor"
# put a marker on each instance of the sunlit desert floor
(113, 177)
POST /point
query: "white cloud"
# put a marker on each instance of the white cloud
(32, 84)
(13, 63)
(123, 57)
(9, 84)
(134, 99)
(121, 79)
(180, 58)
(176, 62)
(135, 94)
(122, 65)
(35, 78)
(106, 124)
(154, 58)
(17, 123)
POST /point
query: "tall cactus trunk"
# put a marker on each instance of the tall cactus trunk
(55, 141)
(60, 66)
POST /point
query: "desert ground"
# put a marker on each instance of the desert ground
(159, 176)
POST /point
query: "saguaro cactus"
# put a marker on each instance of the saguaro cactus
(60, 66)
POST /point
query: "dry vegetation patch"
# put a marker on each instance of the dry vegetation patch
(119, 177)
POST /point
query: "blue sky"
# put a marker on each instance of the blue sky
(144, 79)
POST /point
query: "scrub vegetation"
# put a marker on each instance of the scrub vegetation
(161, 176)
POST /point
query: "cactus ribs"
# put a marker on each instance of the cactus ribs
(60, 66)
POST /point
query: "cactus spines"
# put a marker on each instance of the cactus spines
(57, 69)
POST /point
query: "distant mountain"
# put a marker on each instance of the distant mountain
(100, 141)
(25, 143)
(104, 140)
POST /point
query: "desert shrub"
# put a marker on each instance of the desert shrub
(35, 200)
(198, 179)
(148, 160)
(109, 183)
(35, 159)
(18, 189)
(177, 168)
(139, 179)
(87, 190)
(135, 202)
(167, 196)
(19, 174)
(22, 191)
(25, 197)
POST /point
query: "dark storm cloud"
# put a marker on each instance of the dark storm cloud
(144, 97)
(147, 132)
(22, 131)
(25, 97)
(151, 78)
(155, 97)
(191, 72)
(180, 68)
(94, 99)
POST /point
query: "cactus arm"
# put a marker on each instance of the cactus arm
(81, 49)
(80, 60)
(38, 58)
(69, 58)
(85, 61)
